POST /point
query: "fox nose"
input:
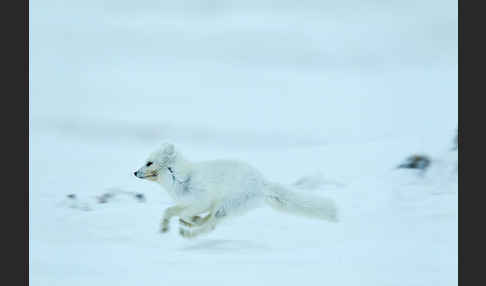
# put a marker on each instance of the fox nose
(135, 173)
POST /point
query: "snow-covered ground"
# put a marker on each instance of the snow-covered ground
(344, 90)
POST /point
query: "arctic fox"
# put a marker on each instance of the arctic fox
(221, 189)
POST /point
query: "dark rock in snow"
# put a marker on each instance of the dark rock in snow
(421, 162)
(140, 197)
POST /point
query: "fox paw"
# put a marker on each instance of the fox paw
(196, 219)
(164, 227)
(185, 223)
(185, 233)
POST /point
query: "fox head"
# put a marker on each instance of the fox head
(157, 162)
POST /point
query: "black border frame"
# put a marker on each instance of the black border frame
(15, 119)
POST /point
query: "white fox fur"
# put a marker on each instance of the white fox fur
(221, 189)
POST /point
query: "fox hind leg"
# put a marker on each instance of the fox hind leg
(195, 220)
(230, 207)
(207, 224)
(193, 232)
(192, 216)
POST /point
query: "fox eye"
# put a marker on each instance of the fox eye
(149, 163)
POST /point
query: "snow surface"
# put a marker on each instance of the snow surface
(340, 91)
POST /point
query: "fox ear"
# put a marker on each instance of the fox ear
(169, 148)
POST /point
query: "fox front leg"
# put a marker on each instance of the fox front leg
(168, 214)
